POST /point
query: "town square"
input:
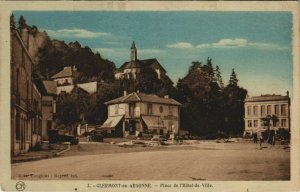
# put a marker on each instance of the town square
(151, 95)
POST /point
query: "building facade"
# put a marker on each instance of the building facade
(26, 98)
(132, 68)
(142, 113)
(64, 80)
(260, 108)
(48, 108)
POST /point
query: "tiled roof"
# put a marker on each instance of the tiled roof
(50, 87)
(133, 64)
(142, 97)
(66, 72)
(267, 98)
(139, 63)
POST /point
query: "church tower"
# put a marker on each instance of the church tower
(133, 52)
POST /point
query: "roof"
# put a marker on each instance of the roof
(139, 63)
(268, 98)
(133, 45)
(50, 87)
(66, 72)
(142, 97)
(133, 64)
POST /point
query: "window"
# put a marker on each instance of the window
(255, 122)
(116, 109)
(283, 109)
(170, 110)
(255, 113)
(161, 109)
(269, 109)
(283, 123)
(18, 126)
(276, 109)
(249, 109)
(262, 110)
(149, 109)
(249, 123)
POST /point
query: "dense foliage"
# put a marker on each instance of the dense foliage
(209, 108)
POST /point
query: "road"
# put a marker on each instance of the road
(204, 161)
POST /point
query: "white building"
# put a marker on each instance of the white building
(145, 113)
(133, 67)
(65, 81)
(259, 107)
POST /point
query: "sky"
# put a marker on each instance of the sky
(258, 45)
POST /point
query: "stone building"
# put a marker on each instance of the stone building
(142, 113)
(132, 68)
(26, 98)
(48, 107)
(267, 106)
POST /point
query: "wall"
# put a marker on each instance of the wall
(64, 81)
(48, 111)
(258, 116)
(123, 109)
(25, 97)
(90, 87)
(66, 89)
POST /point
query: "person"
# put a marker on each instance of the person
(177, 139)
(261, 140)
(168, 135)
(273, 139)
(254, 137)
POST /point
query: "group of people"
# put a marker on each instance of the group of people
(258, 136)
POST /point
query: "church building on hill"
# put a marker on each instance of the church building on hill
(132, 68)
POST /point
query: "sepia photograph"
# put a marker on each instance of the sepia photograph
(142, 98)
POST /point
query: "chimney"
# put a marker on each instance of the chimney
(166, 96)
(287, 93)
(125, 93)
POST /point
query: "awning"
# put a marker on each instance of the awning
(112, 122)
(153, 122)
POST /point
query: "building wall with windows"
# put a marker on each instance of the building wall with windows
(257, 108)
(25, 97)
(143, 113)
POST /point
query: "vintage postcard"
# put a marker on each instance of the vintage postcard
(149, 96)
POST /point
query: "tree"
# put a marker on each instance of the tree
(234, 105)
(201, 97)
(22, 23)
(12, 22)
(68, 112)
(219, 77)
(233, 81)
(209, 68)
